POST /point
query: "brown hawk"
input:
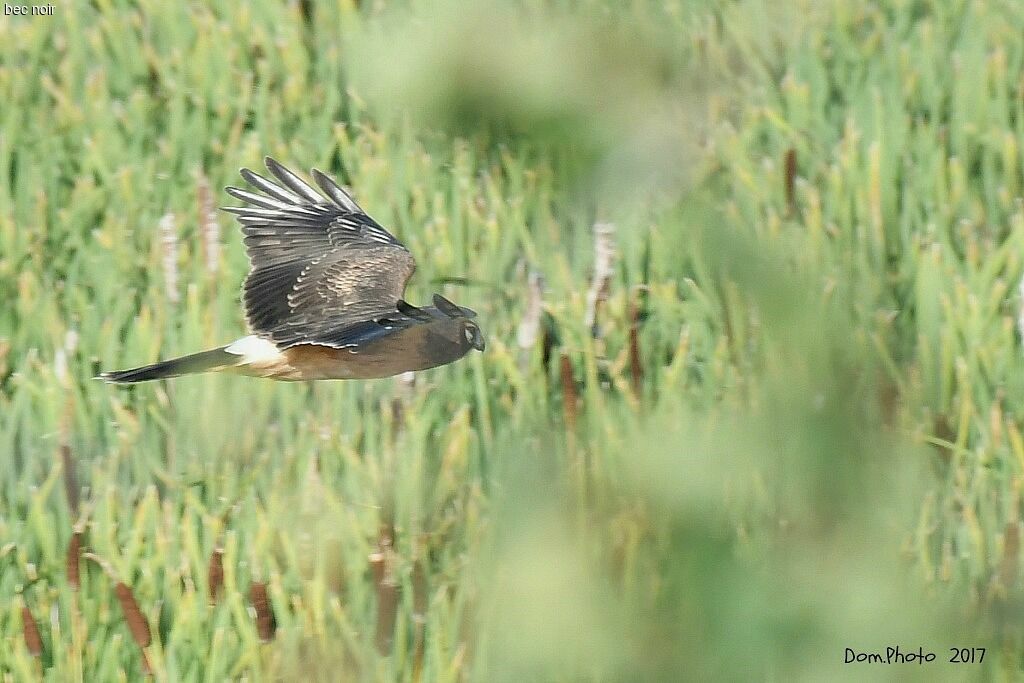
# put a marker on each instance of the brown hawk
(324, 294)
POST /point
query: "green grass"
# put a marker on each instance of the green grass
(824, 448)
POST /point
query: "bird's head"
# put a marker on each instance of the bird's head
(471, 334)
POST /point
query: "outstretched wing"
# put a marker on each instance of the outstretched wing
(319, 263)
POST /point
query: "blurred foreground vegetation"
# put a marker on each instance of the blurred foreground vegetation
(753, 390)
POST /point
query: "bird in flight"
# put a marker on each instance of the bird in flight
(324, 294)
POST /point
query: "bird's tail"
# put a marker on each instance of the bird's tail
(204, 361)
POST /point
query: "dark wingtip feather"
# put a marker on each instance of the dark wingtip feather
(234, 191)
(336, 192)
(268, 187)
(414, 312)
(451, 309)
(293, 182)
(248, 174)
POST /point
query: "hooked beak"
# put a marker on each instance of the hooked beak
(478, 341)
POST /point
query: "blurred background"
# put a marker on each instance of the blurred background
(750, 277)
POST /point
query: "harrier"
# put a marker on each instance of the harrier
(324, 294)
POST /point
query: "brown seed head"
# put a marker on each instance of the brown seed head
(215, 574)
(137, 623)
(73, 558)
(33, 641)
(266, 623)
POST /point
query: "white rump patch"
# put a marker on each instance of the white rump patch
(254, 350)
